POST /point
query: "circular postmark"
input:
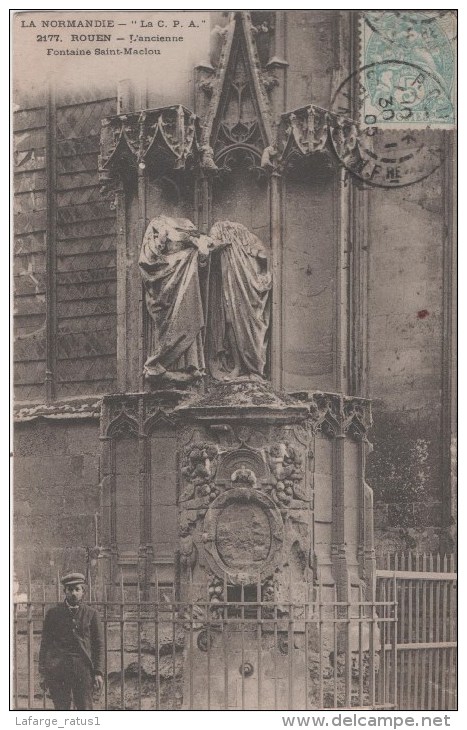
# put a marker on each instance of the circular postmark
(394, 92)
(390, 145)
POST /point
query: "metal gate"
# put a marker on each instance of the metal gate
(425, 589)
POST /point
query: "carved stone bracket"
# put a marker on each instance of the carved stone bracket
(168, 135)
(310, 131)
(333, 414)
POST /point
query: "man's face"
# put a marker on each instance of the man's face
(74, 594)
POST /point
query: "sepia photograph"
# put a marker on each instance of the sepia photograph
(234, 360)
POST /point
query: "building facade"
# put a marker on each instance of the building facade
(361, 310)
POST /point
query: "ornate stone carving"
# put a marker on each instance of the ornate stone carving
(188, 549)
(344, 136)
(307, 130)
(141, 412)
(326, 412)
(310, 131)
(199, 466)
(245, 458)
(285, 463)
(244, 478)
(262, 28)
(269, 81)
(237, 128)
(332, 414)
(270, 159)
(247, 533)
(216, 596)
(242, 159)
(122, 426)
(168, 135)
(207, 86)
(172, 137)
(267, 590)
(158, 418)
(122, 405)
(204, 640)
(207, 159)
(243, 532)
(303, 434)
(357, 418)
(238, 122)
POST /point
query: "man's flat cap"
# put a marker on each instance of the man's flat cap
(73, 579)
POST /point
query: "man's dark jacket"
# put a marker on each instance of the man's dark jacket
(64, 635)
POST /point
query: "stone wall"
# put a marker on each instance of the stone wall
(57, 496)
(405, 326)
(313, 55)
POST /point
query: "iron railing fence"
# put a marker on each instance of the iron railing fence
(426, 594)
(231, 655)
(255, 649)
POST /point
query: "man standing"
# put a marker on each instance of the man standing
(71, 657)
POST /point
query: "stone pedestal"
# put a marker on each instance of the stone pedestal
(273, 503)
(261, 497)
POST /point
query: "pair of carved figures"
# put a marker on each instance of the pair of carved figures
(209, 299)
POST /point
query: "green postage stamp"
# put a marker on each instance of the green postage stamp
(408, 68)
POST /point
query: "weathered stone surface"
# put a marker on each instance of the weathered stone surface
(404, 469)
(243, 392)
(405, 327)
(57, 494)
(309, 281)
(243, 534)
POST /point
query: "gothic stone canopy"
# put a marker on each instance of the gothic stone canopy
(236, 127)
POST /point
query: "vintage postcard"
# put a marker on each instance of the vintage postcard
(234, 360)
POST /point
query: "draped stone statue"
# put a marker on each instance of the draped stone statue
(221, 316)
(171, 252)
(239, 303)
